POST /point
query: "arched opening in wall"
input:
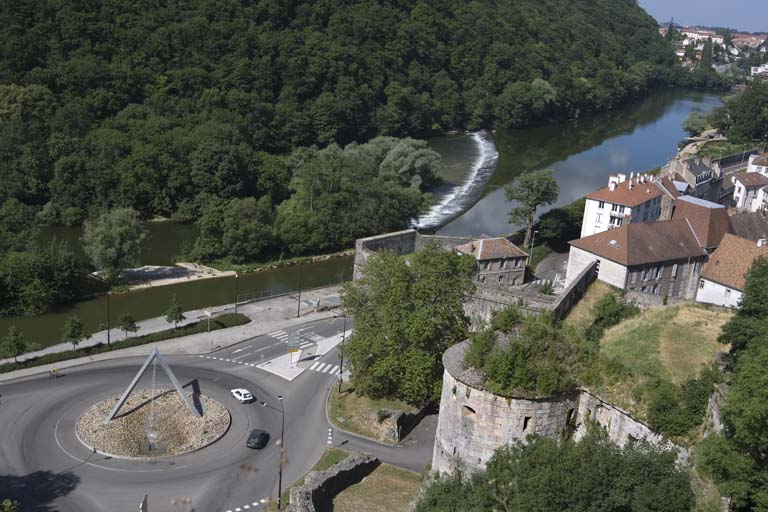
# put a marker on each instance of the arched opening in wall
(467, 412)
(526, 422)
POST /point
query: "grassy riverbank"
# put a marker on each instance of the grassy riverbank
(224, 265)
(220, 322)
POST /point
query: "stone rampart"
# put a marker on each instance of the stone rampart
(474, 421)
(320, 487)
(400, 242)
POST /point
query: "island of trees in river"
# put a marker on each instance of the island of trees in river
(213, 110)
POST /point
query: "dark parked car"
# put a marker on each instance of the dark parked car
(258, 439)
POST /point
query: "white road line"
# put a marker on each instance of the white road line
(242, 356)
(256, 351)
(246, 507)
(241, 349)
(275, 332)
(277, 344)
(323, 367)
(305, 345)
(314, 365)
(335, 370)
(262, 500)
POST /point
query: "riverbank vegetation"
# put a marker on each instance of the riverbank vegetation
(220, 322)
(743, 118)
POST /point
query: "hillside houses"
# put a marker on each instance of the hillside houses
(697, 250)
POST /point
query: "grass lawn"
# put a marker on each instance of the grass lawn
(720, 148)
(387, 489)
(671, 343)
(582, 314)
(329, 458)
(358, 414)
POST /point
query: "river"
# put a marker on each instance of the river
(583, 153)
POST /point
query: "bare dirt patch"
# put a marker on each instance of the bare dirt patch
(386, 489)
(149, 427)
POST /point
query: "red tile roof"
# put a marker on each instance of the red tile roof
(729, 264)
(492, 249)
(644, 243)
(752, 179)
(708, 220)
(640, 193)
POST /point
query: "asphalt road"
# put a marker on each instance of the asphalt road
(43, 465)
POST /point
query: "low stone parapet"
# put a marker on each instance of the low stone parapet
(320, 487)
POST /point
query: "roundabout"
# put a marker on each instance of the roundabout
(54, 433)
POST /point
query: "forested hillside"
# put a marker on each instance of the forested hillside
(160, 106)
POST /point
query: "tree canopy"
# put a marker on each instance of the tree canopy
(744, 117)
(530, 191)
(113, 241)
(549, 474)
(174, 104)
(407, 313)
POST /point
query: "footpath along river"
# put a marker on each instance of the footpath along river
(475, 168)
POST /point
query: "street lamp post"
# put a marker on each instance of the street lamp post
(341, 364)
(298, 302)
(108, 337)
(530, 249)
(282, 451)
(237, 274)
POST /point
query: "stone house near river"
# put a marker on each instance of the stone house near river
(499, 261)
(724, 275)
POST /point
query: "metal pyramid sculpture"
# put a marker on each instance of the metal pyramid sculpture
(154, 355)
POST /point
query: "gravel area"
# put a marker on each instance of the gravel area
(176, 429)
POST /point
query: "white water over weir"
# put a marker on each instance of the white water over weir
(462, 196)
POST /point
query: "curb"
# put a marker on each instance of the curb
(346, 432)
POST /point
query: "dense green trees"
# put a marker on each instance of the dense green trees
(113, 241)
(33, 277)
(736, 460)
(744, 117)
(539, 356)
(407, 313)
(178, 104)
(548, 474)
(530, 191)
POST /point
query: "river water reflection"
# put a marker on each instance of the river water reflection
(637, 138)
(583, 154)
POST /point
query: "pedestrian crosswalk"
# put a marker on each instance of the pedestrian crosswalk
(280, 335)
(324, 368)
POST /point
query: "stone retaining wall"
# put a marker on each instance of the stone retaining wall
(320, 487)
(474, 421)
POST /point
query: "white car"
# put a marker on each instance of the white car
(243, 395)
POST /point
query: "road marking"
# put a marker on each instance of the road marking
(275, 332)
(305, 345)
(335, 369)
(240, 357)
(256, 351)
(321, 367)
(314, 365)
(241, 349)
(277, 344)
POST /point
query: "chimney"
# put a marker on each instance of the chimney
(632, 175)
(630, 184)
(612, 186)
(622, 177)
(763, 242)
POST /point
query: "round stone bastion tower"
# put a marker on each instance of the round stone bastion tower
(474, 422)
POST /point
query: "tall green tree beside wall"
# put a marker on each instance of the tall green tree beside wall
(530, 191)
(407, 313)
(113, 241)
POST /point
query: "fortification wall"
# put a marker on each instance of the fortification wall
(400, 242)
(474, 422)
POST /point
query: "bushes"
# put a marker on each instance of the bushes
(609, 311)
(220, 322)
(676, 410)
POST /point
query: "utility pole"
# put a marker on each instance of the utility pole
(341, 364)
(530, 249)
(237, 274)
(282, 453)
(298, 302)
(109, 292)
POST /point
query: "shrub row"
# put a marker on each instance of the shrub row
(221, 322)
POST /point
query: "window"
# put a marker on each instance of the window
(501, 279)
(621, 209)
(656, 289)
(482, 279)
(727, 293)
(614, 207)
(701, 284)
(467, 411)
(645, 275)
(526, 421)
(674, 270)
(634, 277)
(601, 205)
(599, 217)
(658, 272)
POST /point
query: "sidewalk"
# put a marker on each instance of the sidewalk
(266, 316)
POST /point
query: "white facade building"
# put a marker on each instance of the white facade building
(724, 276)
(758, 163)
(749, 190)
(623, 201)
